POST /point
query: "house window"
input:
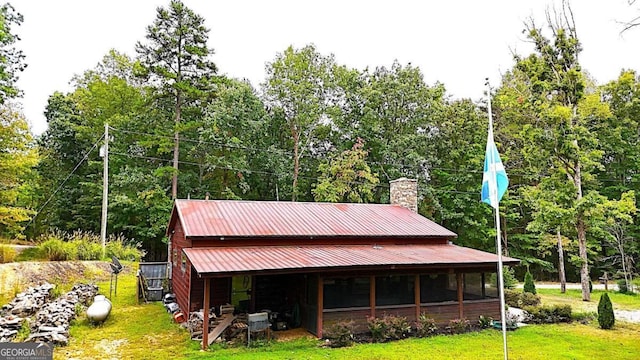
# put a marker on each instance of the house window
(174, 260)
(395, 290)
(346, 292)
(438, 288)
(183, 267)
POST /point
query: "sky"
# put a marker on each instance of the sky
(455, 42)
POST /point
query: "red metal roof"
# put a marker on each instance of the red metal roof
(229, 260)
(231, 218)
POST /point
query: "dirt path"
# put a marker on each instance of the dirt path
(575, 286)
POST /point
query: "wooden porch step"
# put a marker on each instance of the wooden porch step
(225, 322)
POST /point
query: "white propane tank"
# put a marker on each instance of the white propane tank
(99, 310)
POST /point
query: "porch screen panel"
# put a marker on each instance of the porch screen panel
(491, 285)
(473, 286)
(438, 288)
(346, 292)
(395, 290)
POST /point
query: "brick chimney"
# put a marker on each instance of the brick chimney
(404, 192)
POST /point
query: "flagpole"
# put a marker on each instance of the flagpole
(498, 239)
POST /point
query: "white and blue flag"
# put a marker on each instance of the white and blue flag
(494, 177)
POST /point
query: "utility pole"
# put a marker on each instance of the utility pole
(105, 188)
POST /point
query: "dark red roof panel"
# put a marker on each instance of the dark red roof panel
(231, 218)
(228, 260)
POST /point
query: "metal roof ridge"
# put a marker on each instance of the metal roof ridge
(287, 202)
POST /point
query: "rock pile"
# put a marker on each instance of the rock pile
(24, 305)
(27, 303)
(9, 327)
(53, 320)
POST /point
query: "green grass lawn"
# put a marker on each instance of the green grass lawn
(132, 330)
(146, 331)
(573, 297)
(566, 341)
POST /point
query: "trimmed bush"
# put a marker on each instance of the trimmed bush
(529, 286)
(378, 328)
(528, 299)
(388, 327)
(340, 334)
(606, 317)
(426, 326)
(584, 317)
(399, 327)
(458, 326)
(520, 299)
(511, 297)
(548, 314)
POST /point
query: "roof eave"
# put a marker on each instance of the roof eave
(352, 268)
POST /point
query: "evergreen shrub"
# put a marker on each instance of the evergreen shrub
(606, 317)
(529, 286)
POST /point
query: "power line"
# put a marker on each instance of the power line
(199, 141)
(280, 151)
(286, 152)
(517, 171)
(383, 186)
(85, 157)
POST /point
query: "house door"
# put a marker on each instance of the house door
(241, 292)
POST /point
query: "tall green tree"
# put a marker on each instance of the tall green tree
(299, 84)
(457, 141)
(399, 113)
(18, 156)
(346, 177)
(177, 60)
(557, 123)
(619, 139)
(551, 216)
(76, 122)
(226, 150)
(11, 58)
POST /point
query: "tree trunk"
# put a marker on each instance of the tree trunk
(505, 247)
(176, 148)
(584, 269)
(563, 280)
(580, 227)
(296, 165)
(624, 267)
(582, 240)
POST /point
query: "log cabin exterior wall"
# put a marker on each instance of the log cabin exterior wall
(487, 307)
(180, 278)
(220, 292)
